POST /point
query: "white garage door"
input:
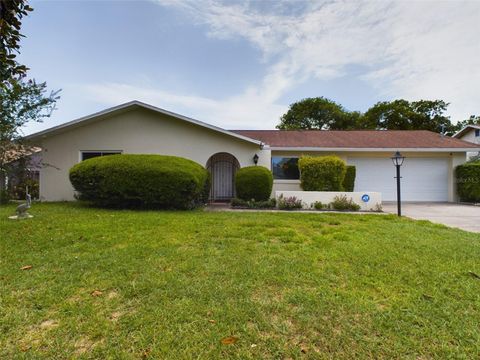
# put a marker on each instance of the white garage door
(423, 179)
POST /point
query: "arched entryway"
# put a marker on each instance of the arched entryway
(222, 168)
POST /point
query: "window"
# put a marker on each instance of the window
(477, 132)
(285, 168)
(91, 154)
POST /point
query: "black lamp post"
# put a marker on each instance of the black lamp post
(398, 161)
(255, 159)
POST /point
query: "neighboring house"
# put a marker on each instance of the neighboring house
(23, 169)
(135, 127)
(470, 133)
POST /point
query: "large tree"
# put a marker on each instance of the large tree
(21, 100)
(324, 114)
(404, 115)
(317, 113)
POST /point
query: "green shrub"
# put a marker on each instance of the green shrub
(141, 181)
(4, 197)
(244, 204)
(342, 203)
(322, 173)
(468, 181)
(318, 205)
(254, 182)
(349, 180)
(289, 203)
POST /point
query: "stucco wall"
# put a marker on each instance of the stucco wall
(454, 160)
(139, 131)
(470, 137)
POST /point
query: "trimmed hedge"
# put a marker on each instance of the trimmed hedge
(468, 181)
(141, 181)
(322, 173)
(254, 182)
(349, 181)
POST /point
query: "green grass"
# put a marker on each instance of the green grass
(287, 285)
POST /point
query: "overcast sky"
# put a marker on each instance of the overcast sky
(240, 64)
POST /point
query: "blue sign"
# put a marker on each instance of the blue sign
(365, 198)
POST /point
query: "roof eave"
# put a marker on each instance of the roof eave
(376, 149)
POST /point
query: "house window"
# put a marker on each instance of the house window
(477, 132)
(91, 154)
(285, 168)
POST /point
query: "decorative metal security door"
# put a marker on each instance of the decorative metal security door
(222, 168)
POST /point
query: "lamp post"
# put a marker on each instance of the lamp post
(255, 159)
(398, 161)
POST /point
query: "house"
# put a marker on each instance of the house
(136, 127)
(470, 133)
(22, 170)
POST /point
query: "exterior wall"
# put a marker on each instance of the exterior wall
(139, 131)
(455, 159)
(470, 137)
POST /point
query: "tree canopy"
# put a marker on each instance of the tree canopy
(404, 115)
(324, 114)
(11, 15)
(316, 113)
(22, 100)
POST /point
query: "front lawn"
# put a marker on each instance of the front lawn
(173, 285)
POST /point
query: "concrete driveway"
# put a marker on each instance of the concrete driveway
(466, 217)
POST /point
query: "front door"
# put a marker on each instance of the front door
(222, 180)
(222, 168)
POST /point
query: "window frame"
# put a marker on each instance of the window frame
(110, 152)
(477, 132)
(285, 157)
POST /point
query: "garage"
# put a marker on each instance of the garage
(423, 179)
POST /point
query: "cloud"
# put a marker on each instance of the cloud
(245, 110)
(410, 49)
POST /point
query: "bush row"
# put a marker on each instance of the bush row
(158, 181)
(340, 203)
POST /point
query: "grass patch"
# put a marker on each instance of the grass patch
(151, 284)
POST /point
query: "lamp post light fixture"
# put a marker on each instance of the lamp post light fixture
(255, 159)
(398, 161)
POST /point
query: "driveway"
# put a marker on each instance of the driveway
(466, 217)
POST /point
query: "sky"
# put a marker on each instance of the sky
(239, 64)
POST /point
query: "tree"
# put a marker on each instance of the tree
(324, 114)
(473, 120)
(404, 115)
(21, 100)
(11, 14)
(317, 113)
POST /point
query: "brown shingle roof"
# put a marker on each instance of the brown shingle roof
(355, 139)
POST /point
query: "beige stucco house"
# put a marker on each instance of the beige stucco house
(470, 133)
(136, 127)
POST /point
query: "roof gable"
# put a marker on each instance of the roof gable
(127, 107)
(465, 130)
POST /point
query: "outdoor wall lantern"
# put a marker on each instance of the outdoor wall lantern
(398, 161)
(255, 159)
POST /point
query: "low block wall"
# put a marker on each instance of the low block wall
(368, 201)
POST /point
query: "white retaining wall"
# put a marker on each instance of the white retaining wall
(368, 201)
